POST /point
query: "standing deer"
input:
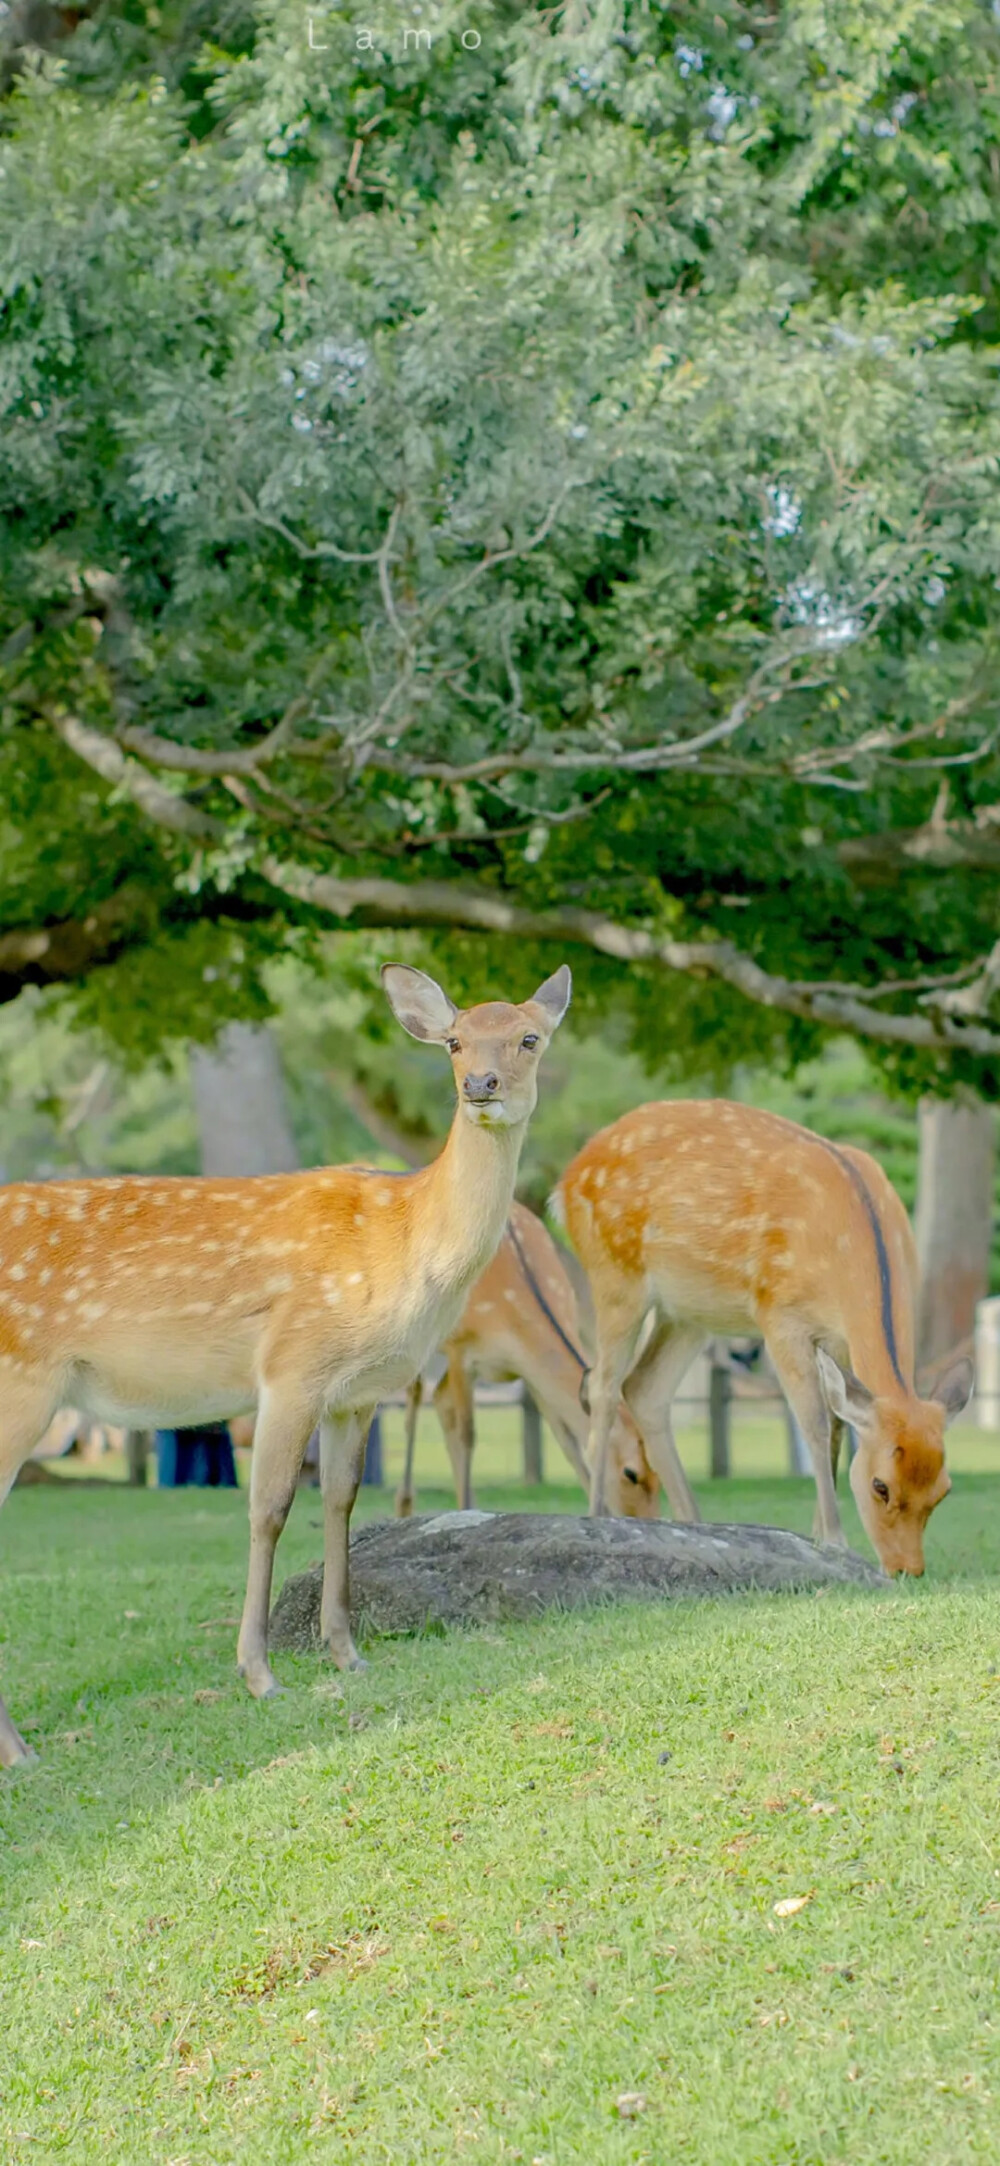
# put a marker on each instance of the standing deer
(162, 1303)
(722, 1218)
(520, 1320)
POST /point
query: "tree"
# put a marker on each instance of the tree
(954, 1219)
(546, 490)
(239, 1099)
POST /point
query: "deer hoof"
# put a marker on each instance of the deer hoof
(261, 1683)
(20, 1763)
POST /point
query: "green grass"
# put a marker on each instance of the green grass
(459, 1907)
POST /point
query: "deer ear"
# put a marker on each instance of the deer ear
(554, 996)
(418, 1002)
(845, 1394)
(954, 1389)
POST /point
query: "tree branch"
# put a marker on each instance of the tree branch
(433, 903)
(942, 845)
(67, 948)
(192, 760)
(440, 903)
(159, 804)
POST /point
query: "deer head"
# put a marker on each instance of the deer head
(633, 1487)
(898, 1473)
(495, 1047)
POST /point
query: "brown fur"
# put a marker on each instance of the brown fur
(721, 1218)
(503, 1333)
(311, 1296)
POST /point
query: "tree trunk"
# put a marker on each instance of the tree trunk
(954, 1219)
(239, 1097)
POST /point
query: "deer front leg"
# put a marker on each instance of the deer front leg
(26, 1410)
(648, 1392)
(284, 1426)
(619, 1324)
(341, 1464)
(404, 1494)
(794, 1357)
(14, 1752)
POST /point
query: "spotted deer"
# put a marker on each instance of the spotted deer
(310, 1296)
(720, 1218)
(521, 1320)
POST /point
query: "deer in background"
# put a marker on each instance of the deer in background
(521, 1320)
(160, 1303)
(720, 1218)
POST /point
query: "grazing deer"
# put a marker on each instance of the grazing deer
(521, 1320)
(161, 1303)
(722, 1218)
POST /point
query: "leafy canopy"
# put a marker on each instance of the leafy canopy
(560, 469)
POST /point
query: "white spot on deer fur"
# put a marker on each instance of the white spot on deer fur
(187, 1194)
(53, 1240)
(382, 1196)
(20, 1214)
(359, 1218)
(17, 1271)
(509, 1294)
(44, 1276)
(354, 1278)
(600, 1177)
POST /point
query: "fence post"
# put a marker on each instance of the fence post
(799, 1456)
(137, 1456)
(531, 1431)
(720, 1392)
(372, 1471)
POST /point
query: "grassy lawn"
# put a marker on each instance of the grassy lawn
(463, 1907)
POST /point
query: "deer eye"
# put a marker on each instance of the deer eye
(454, 1045)
(529, 1043)
(631, 1475)
(881, 1490)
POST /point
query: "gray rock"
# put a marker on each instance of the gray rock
(473, 1567)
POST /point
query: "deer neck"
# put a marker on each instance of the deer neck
(470, 1194)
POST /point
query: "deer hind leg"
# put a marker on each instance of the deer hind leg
(456, 1412)
(284, 1426)
(26, 1409)
(794, 1357)
(341, 1463)
(404, 1494)
(648, 1391)
(619, 1321)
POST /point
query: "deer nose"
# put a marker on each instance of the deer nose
(480, 1087)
